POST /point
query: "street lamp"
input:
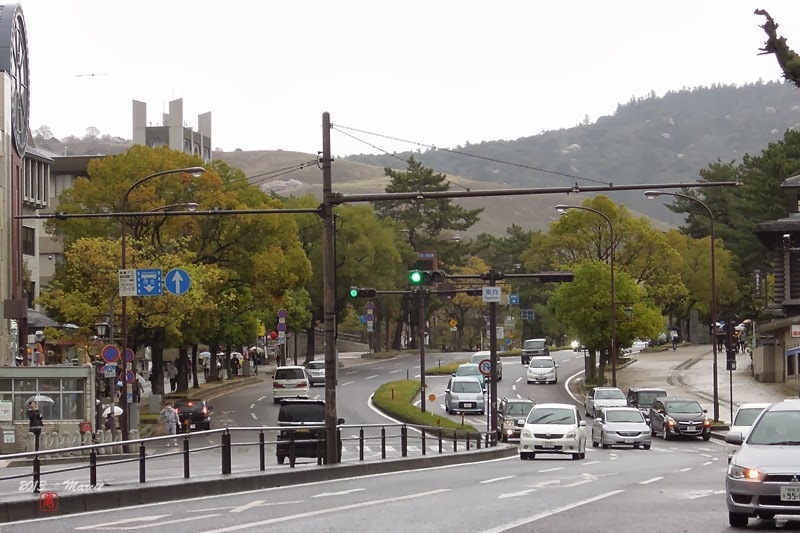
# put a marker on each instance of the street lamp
(101, 329)
(190, 206)
(123, 397)
(613, 315)
(655, 194)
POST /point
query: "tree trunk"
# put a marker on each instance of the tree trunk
(310, 344)
(388, 333)
(183, 369)
(213, 371)
(227, 365)
(158, 364)
(195, 384)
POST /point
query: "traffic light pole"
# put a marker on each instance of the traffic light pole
(421, 328)
(492, 274)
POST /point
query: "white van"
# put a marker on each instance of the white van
(290, 382)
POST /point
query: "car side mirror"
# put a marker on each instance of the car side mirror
(453, 374)
(272, 377)
(598, 420)
(582, 424)
(521, 422)
(734, 437)
(660, 411)
(705, 411)
(447, 390)
(556, 366)
(340, 421)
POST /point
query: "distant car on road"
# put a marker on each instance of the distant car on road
(616, 426)
(675, 417)
(534, 348)
(193, 414)
(316, 372)
(542, 370)
(600, 397)
(743, 421)
(470, 370)
(553, 428)
(577, 346)
(464, 395)
(477, 357)
(289, 382)
(293, 415)
(509, 414)
(642, 398)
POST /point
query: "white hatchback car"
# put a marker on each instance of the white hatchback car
(553, 428)
(290, 382)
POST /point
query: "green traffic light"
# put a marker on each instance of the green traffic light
(353, 292)
(415, 277)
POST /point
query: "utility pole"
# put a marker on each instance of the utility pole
(421, 326)
(329, 295)
(492, 276)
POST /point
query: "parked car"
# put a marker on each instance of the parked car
(675, 417)
(289, 382)
(464, 395)
(193, 414)
(477, 357)
(533, 348)
(642, 398)
(600, 397)
(553, 428)
(615, 426)
(542, 370)
(470, 370)
(763, 475)
(511, 415)
(293, 415)
(743, 421)
(316, 372)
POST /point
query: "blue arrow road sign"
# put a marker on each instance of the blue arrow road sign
(177, 281)
(513, 299)
(363, 319)
(148, 282)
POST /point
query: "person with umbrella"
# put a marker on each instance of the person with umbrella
(35, 426)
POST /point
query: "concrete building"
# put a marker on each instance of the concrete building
(173, 132)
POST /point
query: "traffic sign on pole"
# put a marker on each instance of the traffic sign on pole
(110, 353)
(127, 282)
(129, 355)
(129, 376)
(110, 370)
(492, 294)
(177, 281)
(485, 367)
(148, 282)
(370, 306)
(281, 326)
(281, 313)
(513, 299)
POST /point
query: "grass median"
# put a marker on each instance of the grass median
(395, 399)
(444, 370)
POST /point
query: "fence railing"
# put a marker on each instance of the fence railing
(293, 442)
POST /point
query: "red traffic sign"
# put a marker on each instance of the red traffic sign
(129, 376)
(129, 355)
(110, 353)
(485, 367)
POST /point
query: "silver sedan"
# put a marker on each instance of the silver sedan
(616, 426)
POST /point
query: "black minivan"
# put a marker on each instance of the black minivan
(193, 415)
(293, 415)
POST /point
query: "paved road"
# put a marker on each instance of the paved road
(615, 488)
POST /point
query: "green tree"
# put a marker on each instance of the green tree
(788, 60)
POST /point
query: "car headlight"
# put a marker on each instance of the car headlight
(707, 422)
(508, 424)
(570, 435)
(526, 434)
(749, 474)
(671, 421)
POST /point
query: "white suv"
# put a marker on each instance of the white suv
(477, 357)
(553, 428)
(290, 382)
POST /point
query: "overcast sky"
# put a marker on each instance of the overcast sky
(439, 72)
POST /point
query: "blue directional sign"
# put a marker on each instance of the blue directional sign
(177, 281)
(362, 319)
(513, 299)
(148, 282)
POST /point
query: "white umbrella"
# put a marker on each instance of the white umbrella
(740, 327)
(204, 355)
(117, 411)
(38, 398)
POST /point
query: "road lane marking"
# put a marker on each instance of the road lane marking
(417, 376)
(339, 493)
(651, 480)
(703, 493)
(484, 482)
(708, 463)
(518, 396)
(546, 514)
(516, 494)
(613, 456)
(513, 387)
(706, 455)
(566, 387)
(547, 483)
(518, 380)
(260, 399)
(351, 373)
(417, 403)
(591, 463)
(114, 526)
(348, 383)
(551, 469)
(415, 366)
(247, 506)
(370, 377)
(395, 371)
(442, 406)
(318, 512)
(685, 469)
(252, 406)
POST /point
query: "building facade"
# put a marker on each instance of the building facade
(173, 132)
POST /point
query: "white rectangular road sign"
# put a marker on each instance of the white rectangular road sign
(127, 282)
(492, 294)
(110, 370)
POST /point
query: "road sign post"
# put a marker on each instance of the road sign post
(281, 328)
(149, 282)
(370, 317)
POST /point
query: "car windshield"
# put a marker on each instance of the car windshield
(467, 386)
(777, 428)
(746, 416)
(608, 395)
(542, 363)
(519, 408)
(624, 416)
(316, 365)
(468, 370)
(477, 358)
(307, 412)
(687, 407)
(290, 373)
(533, 345)
(551, 415)
(646, 399)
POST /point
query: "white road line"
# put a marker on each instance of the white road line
(252, 406)
(125, 521)
(566, 387)
(417, 376)
(708, 463)
(278, 520)
(651, 480)
(260, 399)
(518, 380)
(415, 366)
(417, 402)
(551, 469)
(486, 481)
(516, 494)
(351, 373)
(316, 397)
(547, 483)
(513, 387)
(348, 383)
(518, 396)
(545, 514)
(442, 406)
(395, 371)
(685, 469)
(340, 493)
(591, 463)
(247, 506)
(148, 519)
(581, 482)
(254, 416)
(706, 455)
(370, 377)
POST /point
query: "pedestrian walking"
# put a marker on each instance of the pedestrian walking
(255, 364)
(173, 377)
(674, 337)
(172, 421)
(35, 426)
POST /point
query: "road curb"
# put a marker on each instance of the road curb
(104, 498)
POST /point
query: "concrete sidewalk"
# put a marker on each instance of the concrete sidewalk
(688, 372)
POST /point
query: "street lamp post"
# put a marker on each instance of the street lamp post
(655, 194)
(123, 397)
(613, 312)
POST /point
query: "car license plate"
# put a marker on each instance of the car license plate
(469, 405)
(790, 494)
(628, 441)
(191, 426)
(548, 445)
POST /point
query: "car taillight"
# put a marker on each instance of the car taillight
(205, 411)
(299, 385)
(277, 386)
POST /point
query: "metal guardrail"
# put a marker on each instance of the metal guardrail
(367, 433)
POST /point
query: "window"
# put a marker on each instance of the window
(467, 386)
(290, 373)
(624, 416)
(687, 407)
(542, 362)
(776, 427)
(609, 395)
(551, 415)
(537, 344)
(67, 395)
(31, 294)
(28, 241)
(746, 417)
